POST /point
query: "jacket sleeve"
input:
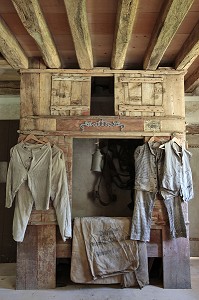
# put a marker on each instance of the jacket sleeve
(60, 195)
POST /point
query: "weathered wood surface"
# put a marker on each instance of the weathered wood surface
(126, 13)
(139, 95)
(176, 262)
(192, 128)
(9, 87)
(104, 71)
(192, 81)
(189, 51)
(70, 95)
(154, 247)
(11, 49)
(100, 124)
(89, 126)
(33, 20)
(166, 27)
(36, 259)
(43, 217)
(63, 249)
(77, 17)
(173, 96)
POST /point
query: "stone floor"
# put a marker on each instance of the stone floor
(90, 292)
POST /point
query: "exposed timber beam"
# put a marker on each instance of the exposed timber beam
(192, 82)
(77, 17)
(33, 20)
(189, 51)
(126, 13)
(11, 49)
(171, 17)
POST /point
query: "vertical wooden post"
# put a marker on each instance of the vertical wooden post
(36, 258)
(176, 262)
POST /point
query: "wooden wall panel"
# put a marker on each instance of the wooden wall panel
(173, 95)
(45, 94)
(29, 95)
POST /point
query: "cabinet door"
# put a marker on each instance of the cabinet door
(138, 96)
(70, 95)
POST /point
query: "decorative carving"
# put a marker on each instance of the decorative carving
(101, 123)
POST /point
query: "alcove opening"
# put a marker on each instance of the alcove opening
(102, 96)
(109, 192)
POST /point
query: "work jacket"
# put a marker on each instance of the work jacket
(149, 162)
(31, 163)
(40, 168)
(177, 175)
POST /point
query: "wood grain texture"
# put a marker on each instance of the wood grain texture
(192, 81)
(176, 262)
(126, 14)
(167, 25)
(33, 20)
(9, 87)
(77, 17)
(36, 259)
(189, 51)
(11, 49)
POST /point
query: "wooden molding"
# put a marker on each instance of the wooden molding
(173, 14)
(11, 49)
(77, 17)
(126, 14)
(33, 20)
(189, 51)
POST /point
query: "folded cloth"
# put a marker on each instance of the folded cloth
(99, 267)
(108, 246)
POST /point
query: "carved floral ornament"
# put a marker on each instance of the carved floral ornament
(101, 123)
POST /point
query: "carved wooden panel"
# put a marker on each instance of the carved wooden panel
(70, 95)
(138, 96)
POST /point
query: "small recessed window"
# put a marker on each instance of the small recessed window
(102, 96)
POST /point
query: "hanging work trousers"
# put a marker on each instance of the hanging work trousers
(142, 215)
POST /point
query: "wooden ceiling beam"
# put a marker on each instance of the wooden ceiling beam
(189, 51)
(171, 17)
(77, 17)
(126, 13)
(33, 20)
(192, 82)
(11, 49)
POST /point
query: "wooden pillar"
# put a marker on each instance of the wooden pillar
(36, 258)
(176, 259)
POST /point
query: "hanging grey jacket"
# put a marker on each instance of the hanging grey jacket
(149, 161)
(31, 163)
(41, 171)
(177, 176)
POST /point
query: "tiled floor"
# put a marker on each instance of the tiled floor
(90, 292)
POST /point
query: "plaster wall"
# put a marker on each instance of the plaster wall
(9, 107)
(192, 117)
